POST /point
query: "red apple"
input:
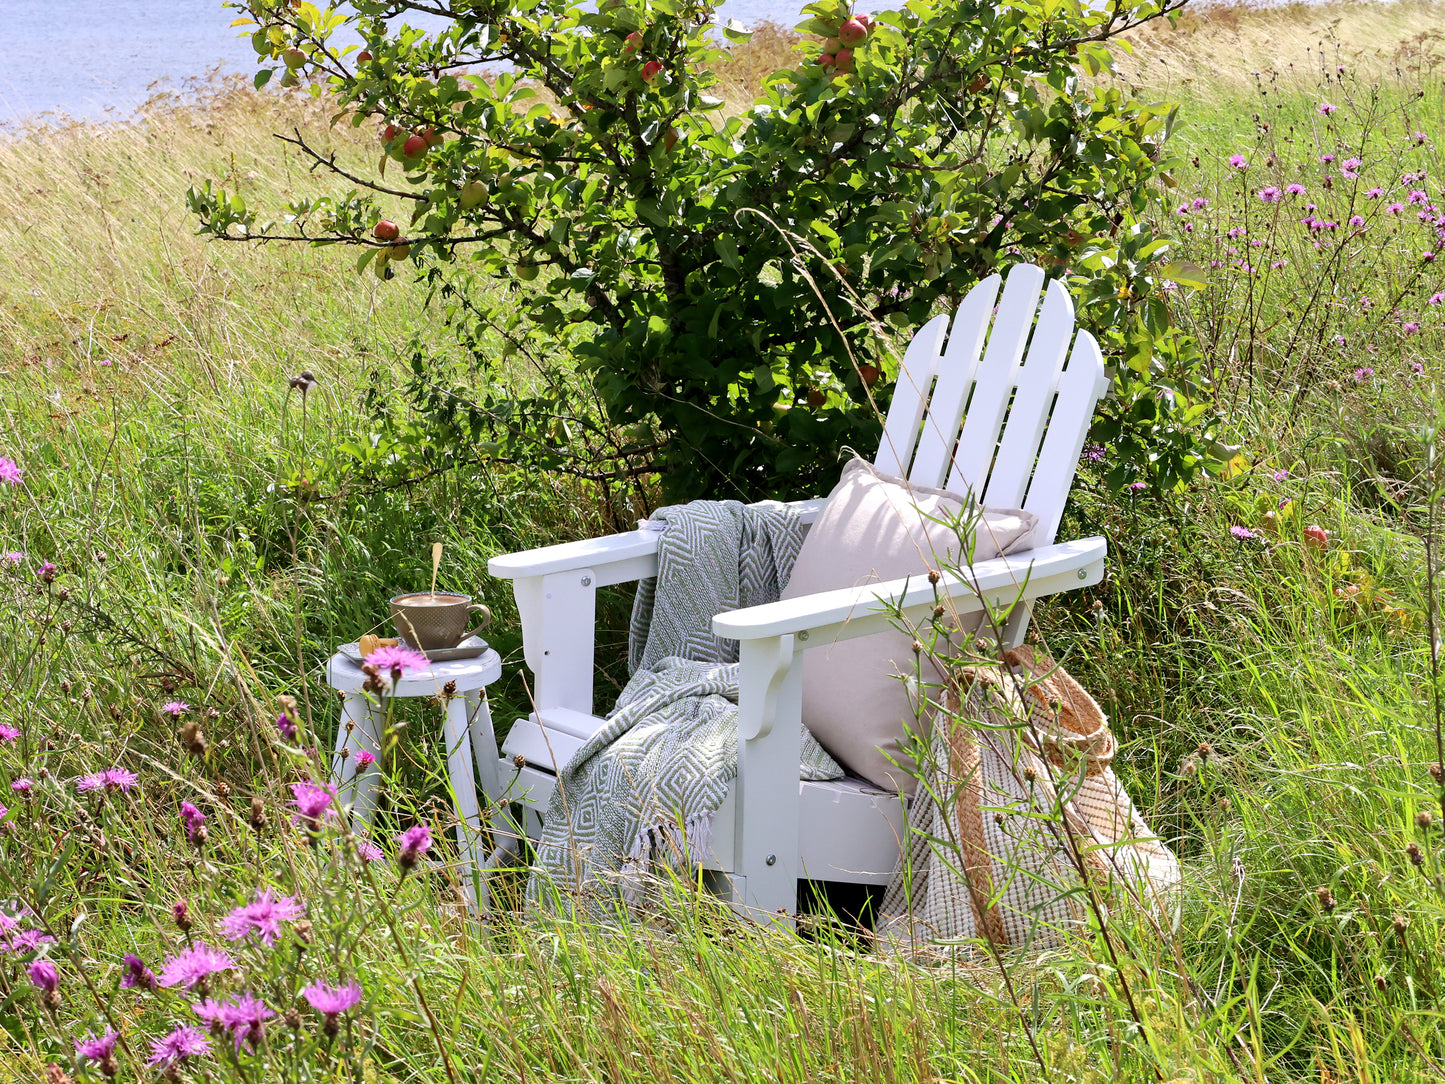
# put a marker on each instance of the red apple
(832, 45)
(414, 147)
(852, 32)
(433, 137)
(816, 398)
(844, 60)
(294, 58)
(389, 133)
(633, 43)
(869, 373)
(866, 20)
(827, 60)
(386, 230)
(363, 57)
(650, 70)
(1316, 536)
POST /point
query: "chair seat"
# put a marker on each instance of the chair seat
(849, 829)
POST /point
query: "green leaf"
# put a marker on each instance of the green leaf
(736, 32)
(1185, 273)
(263, 77)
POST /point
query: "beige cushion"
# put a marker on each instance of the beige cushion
(875, 528)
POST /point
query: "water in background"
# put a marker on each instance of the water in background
(97, 58)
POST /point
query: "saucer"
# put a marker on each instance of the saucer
(470, 648)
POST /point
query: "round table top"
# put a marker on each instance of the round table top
(469, 674)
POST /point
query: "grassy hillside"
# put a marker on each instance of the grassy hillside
(1276, 698)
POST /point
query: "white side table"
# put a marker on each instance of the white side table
(467, 713)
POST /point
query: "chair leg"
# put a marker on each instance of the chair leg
(364, 733)
(464, 788)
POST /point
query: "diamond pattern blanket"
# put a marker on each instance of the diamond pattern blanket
(645, 788)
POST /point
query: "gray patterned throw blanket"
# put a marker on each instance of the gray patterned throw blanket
(646, 786)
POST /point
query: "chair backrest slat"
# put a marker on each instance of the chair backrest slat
(955, 374)
(989, 419)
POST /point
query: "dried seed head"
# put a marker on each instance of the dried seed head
(449, 690)
(181, 912)
(1417, 856)
(65, 686)
(292, 1018)
(1326, 899)
(917, 647)
(258, 813)
(54, 1074)
(223, 789)
(1204, 751)
(934, 576)
(1098, 605)
(1401, 924)
(288, 704)
(1030, 774)
(1380, 983)
(519, 762)
(1437, 773)
(997, 817)
(303, 929)
(937, 612)
(1423, 819)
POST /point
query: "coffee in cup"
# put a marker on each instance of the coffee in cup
(431, 621)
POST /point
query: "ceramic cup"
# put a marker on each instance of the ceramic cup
(431, 622)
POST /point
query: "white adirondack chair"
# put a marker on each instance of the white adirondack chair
(774, 829)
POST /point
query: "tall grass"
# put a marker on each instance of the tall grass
(1275, 697)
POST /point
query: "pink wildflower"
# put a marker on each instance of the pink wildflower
(263, 917)
(10, 472)
(1238, 161)
(332, 1001)
(1294, 189)
(414, 842)
(364, 759)
(176, 708)
(184, 1042)
(312, 800)
(1325, 109)
(1269, 194)
(397, 660)
(8, 733)
(99, 1050)
(193, 964)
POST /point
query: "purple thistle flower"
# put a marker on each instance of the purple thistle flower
(1356, 221)
(1269, 194)
(1325, 109)
(1437, 299)
(1428, 256)
(46, 572)
(1395, 208)
(15, 556)
(185, 1042)
(285, 725)
(194, 963)
(1419, 138)
(1363, 374)
(364, 759)
(399, 659)
(87, 783)
(10, 471)
(1409, 327)
(331, 1000)
(176, 708)
(44, 977)
(25, 941)
(1238, 161)
(312, 800)
(1417, 367)
(23, 785)
(263, 917)
(1326, 159)
(120, 779)
(3, 810)
(1242, 533)
(368, 850)
(1281, 474)
(8, 733)
(245, 1018)
(1279, 263)
(135, 974)
(1136, 486)
(1418, 196)
(1374, 193)
(99, 1049)
(1199, 203)
(414, 842)
(195, 824)
(1294, 189)
(1350, 168)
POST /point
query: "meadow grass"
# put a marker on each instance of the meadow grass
(1276, 699)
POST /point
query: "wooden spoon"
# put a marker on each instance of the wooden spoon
(436, 560)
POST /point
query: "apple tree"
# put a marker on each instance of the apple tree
(703, 289)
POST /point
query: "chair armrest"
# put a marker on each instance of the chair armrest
(860, 611)
(617, 557)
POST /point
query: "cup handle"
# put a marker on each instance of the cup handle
(486, 619)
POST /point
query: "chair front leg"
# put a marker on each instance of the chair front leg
(770, 720)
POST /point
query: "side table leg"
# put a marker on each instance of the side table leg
(464, 787)
(484, 744)
(365, 733)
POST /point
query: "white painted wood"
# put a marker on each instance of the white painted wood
(910, 398)
(1080, 389)
(359, 790)
(540, 745)
(956, 371)
(996, 378)
(770, 732)
(484, 744)
(566, 622)
(464, 793)
(859, 611)
(1038, 381)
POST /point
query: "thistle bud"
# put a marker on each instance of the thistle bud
(1401, 924)
(258, 813)
(1326, 898)
(1423, 819)
(181, 912)
(1416, 855)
